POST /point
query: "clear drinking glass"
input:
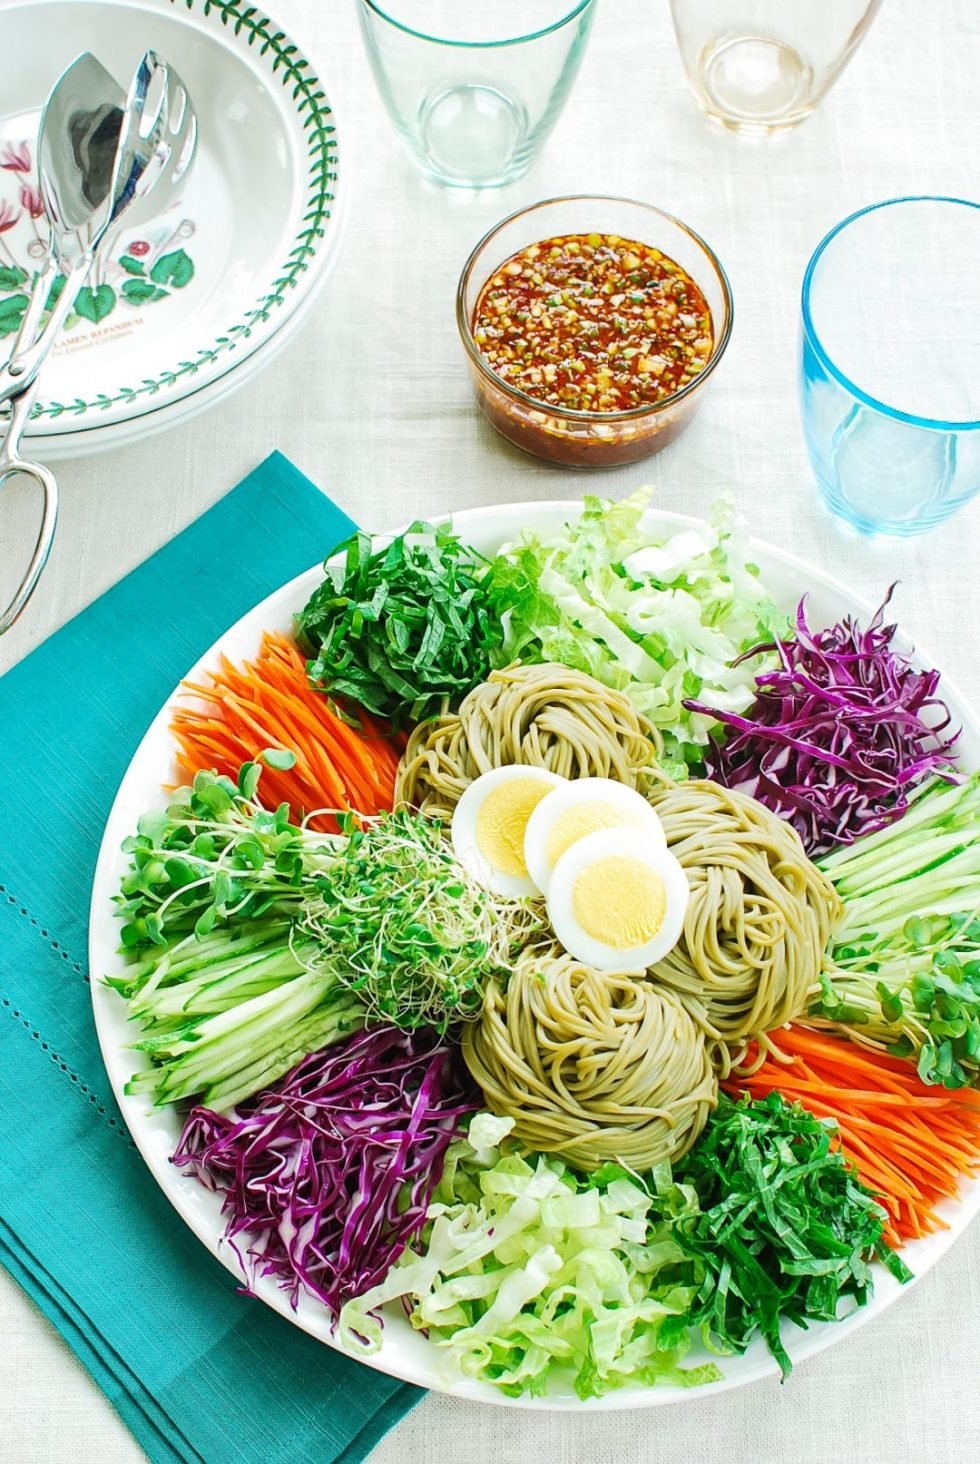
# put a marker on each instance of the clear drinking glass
(474, 89)
(890, 363)
(759, 66)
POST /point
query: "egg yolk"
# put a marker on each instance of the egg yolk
(620, 902)
(585, 818)
(502, 820)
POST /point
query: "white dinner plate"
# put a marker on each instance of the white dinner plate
(186, 308)
(405, 1353)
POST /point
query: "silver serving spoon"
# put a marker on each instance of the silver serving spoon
(101, 155)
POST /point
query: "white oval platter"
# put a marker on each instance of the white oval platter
(405, 1353)
(197, 300)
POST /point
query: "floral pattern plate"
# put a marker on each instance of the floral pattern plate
(180, 305)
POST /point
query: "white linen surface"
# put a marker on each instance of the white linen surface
(372, 401)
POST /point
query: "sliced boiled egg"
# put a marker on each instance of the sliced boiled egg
(579, 808)
(615, 902)
(489, 823)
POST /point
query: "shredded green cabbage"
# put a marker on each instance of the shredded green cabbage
(530, 1271)
(661, 617)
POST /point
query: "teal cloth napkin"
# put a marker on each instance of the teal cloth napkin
(197, 1371)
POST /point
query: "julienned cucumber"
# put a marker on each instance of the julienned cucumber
(903, 973)
(926, 862)
(227, 995)
(225, 1056)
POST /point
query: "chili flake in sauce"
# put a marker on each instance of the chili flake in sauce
(593, 323)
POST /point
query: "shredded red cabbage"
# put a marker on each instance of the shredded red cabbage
(329, 1173)
(838, 734)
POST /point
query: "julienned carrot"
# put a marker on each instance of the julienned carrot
(241, 710)
(863, 1059)
(910, 1143)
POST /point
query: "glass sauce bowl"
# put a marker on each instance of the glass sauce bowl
(574, 437)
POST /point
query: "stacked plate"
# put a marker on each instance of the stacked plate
(187, 309)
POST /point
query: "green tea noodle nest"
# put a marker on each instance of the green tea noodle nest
(546, 716)
(592, 1066)
(758, 920)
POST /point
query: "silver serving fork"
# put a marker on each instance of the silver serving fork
(103, 158)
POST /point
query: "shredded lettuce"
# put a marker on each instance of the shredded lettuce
(530, 1270)
(662, 617)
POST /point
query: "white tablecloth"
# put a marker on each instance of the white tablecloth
(372, 402)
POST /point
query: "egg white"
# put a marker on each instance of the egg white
(464, 829)
(582, 944)
(636, 813)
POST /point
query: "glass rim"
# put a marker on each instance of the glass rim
(577, 414)
(935, 424)
(576, 7)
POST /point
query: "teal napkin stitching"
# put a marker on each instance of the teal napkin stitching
(198, 1372)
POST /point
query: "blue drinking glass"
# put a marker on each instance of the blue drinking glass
(890, 363)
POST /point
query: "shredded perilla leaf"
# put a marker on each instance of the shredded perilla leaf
(404, 630)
